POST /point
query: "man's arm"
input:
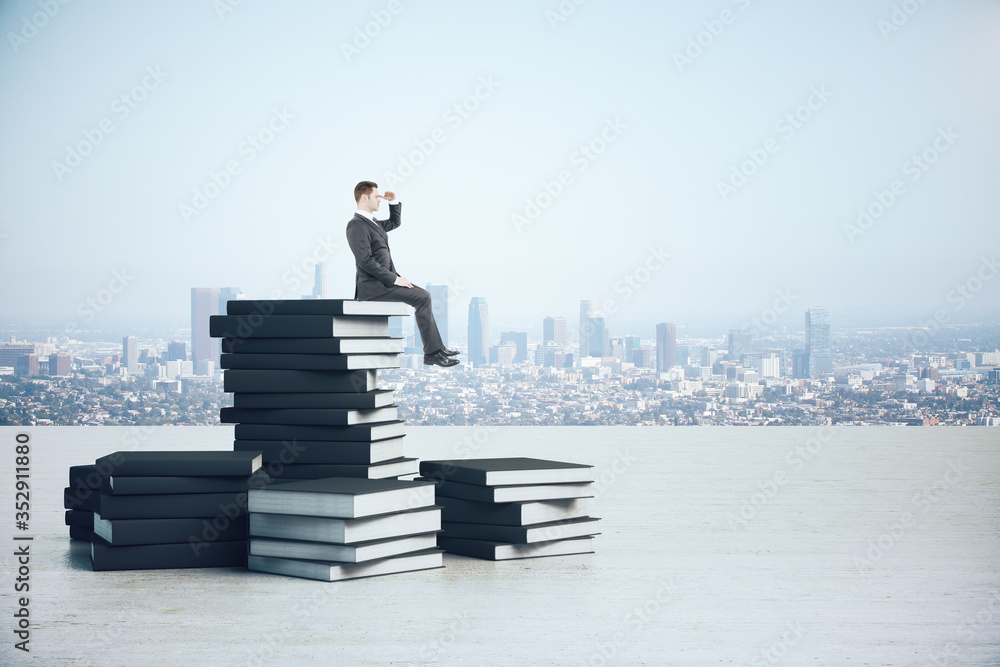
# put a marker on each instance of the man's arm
(357, 238)
(395, 217)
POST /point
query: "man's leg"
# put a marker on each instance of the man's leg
(420, 299)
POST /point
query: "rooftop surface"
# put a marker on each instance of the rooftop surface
(720, 546)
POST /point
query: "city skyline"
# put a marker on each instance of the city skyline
(839, 181)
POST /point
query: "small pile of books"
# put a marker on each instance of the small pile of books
(500, 509)
(343, 528)
(305, 393)
(157, 510)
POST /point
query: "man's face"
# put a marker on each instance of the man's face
(371, 201)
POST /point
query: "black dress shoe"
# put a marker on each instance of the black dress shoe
(451, 353)
(440, 359)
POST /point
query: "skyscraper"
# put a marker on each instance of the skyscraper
(439, 306)
(588, 310)
(177, 351)
(479, 331)
(227, 294)
(818, 344)
(632, 343)
(204, 304)
(321, 281)
(666, 346)
(554, 330)
(130, 354)
(520, 339)
(740, 343)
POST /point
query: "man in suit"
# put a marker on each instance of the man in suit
(377, 278)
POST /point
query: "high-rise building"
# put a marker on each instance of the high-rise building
(520, 339)
(227, 294)
(740, 343)
(588, 311)
(130, 354)
(439, 306)
(177, 351)
(683, 354)
(818, 343)
(554, 330)
(479, 331)
(642, 357)
(800, 364)
(60, 364)
(27, 365)
(321, 281)
(12, 351)
(666, 346)
(617, 349)
(204, 304)
(503, 354)
(632, 343)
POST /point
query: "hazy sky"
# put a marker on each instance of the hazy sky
(715, 153)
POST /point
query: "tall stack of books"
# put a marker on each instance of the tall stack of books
(343, 528)
(500, 509)
(173, 509)
(305, 393)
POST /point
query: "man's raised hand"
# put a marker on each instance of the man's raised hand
(388, 196)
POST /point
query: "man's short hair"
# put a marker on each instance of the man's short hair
(363, 188)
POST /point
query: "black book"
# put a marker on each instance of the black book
(81, 533)
(305, 346)
(340, 497)
(167, 556)
(509, 494)
(345, 531)
(118, 532)
(506, 471)
(536, 532)
(123, 485)
(173, 506)
(181, 464)
(279, 381)
(81, 518)
(494, 550)
(511, 514)
(279, 453)
(344, 553)
(298, 326)
(355, 433)
(308, 416)
(379, 398)
(333, 571)
(85, 477)
(383, 470)
(316, 307)
(85, 499)
(308, 362)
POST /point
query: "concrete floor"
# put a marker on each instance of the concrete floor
(749, 546)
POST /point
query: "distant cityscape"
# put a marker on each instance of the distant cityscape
(576, 373)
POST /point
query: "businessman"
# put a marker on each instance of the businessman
(377, 278)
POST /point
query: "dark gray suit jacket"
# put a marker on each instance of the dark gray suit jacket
(376, 273)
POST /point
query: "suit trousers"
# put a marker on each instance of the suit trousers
(420, 299)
